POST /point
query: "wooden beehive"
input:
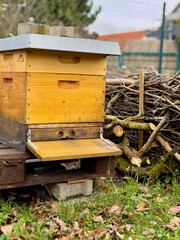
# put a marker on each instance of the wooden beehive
(53, 89)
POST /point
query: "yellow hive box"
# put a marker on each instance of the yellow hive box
(51, 89)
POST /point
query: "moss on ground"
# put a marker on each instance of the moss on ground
(166, 165)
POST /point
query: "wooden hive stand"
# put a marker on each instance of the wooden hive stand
(20, 169)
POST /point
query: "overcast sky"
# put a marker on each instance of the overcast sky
(129, 15)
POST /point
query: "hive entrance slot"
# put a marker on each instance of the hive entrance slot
(8, 82)
(68, 84)
(7, 57)
(69, 59)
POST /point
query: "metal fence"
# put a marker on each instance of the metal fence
(139, 28)
(135, 24)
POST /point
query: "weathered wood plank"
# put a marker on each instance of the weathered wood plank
(52, 177)
(13, 154)
(4, 146)
(64, 125)
(73, 149)
(46, 134)
(12, 171)
(13, 133)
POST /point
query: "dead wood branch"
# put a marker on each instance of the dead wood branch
(120, 81)
(147, 145)
(167, 147)
(116, 131)
(111, 102)
(172, 104)
(133, 158)
(127, 124)
(157, 88)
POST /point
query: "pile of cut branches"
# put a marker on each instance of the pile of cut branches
(158, 122)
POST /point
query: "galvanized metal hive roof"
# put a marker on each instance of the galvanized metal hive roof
(48, 42)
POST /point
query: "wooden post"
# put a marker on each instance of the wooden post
(141, 105)
(167, 72)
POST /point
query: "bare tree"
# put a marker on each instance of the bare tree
(13, 12)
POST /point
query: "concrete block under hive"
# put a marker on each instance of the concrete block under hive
(52, 92)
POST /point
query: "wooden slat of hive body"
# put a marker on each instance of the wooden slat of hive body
(13, 61)
(12, 95)
(66, 63)
(57, 98)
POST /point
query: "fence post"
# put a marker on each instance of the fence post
(178, 62)
(162, 38)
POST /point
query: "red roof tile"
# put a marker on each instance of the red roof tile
(123, 37)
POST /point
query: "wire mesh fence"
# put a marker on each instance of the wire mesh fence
(136, 25)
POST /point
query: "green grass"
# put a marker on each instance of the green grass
(36, 221)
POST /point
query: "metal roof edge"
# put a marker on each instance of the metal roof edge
(49, 42)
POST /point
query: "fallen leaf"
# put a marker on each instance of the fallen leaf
(98, 219)
(115, 209)
(102, 234)
(128, 227)
(56, 207)
(107, 190)
(50, 224)
(173, 224)
(86, 211)
(101, 181)
(81, 221)
(64, 238)
(14, 220)
(108, 236)
(142, 208)
(76, 229)
(101, 212)
(60, 222)
(175, 209)
(111, 228)
(62, 225)
(76, 226)
(96, 234)
(57, 232)
(130, 238)
(148, 232)
(121, 236)
(6, 229)
(22, 228)
(143, 189)
(13, 213)
(169, 186)
(37, 211)
(117, 221)
(30, 226)
(14, 237)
